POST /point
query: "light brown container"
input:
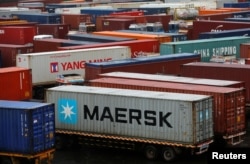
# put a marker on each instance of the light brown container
(229, 103)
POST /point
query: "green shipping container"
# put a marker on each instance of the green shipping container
(206, 47)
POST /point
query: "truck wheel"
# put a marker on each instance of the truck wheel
(151, 152)
(168, 154)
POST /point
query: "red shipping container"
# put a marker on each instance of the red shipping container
(247, 61)
(238, 72)
(57, 30)
(138, 47)
(113, 24)
(210, 25)
(73, 20)
(17, 34)
(217, 16)
(10, 51)
(229, 103)
(164, 19)
(99, 20)
(245, 50)
(175, 79)
(15, 83)
(128, 13)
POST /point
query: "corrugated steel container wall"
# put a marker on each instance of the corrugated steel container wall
(175, 79)
(229, 103)
(198, 112)
(57, 30)
(97, 38)
(166, 64)
(164, 19)
(245, 50)
(206, 47)
(15, 83)
(27, 127)
(40, 18)
(226, 33)
(247, 61)
(99, 20)
(211, 25)
(73, 20)
(138, 47)
(219, 71)
(9, 52)
(117, 24)
(17, 34)
(46, 66)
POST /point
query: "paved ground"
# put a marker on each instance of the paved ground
(110, 156)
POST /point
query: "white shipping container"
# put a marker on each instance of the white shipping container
(47, 66)
(163, 117)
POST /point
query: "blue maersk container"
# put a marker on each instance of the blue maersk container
(26, 127)
(41, 18)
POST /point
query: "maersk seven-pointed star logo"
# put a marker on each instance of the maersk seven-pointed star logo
(67, 111)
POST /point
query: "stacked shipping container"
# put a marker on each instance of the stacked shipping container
(229, 103)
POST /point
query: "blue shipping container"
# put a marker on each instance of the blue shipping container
(237, 5)
(244, 19)
(41, 18)
(99, 12)
(226, 33)
(26, 127)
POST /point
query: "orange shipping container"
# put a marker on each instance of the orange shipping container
(229, 103)
(15, 83)
(160, 38)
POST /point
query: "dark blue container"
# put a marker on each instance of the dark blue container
(226, 33)
(26, 127)
(150, 10)
(237, 5)
(96, 38)
(99, 12)
(41, 18)
(143, 60)
(244, 19)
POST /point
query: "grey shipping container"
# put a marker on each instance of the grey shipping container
(155, 118)
(207, 48)
(26, 127)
